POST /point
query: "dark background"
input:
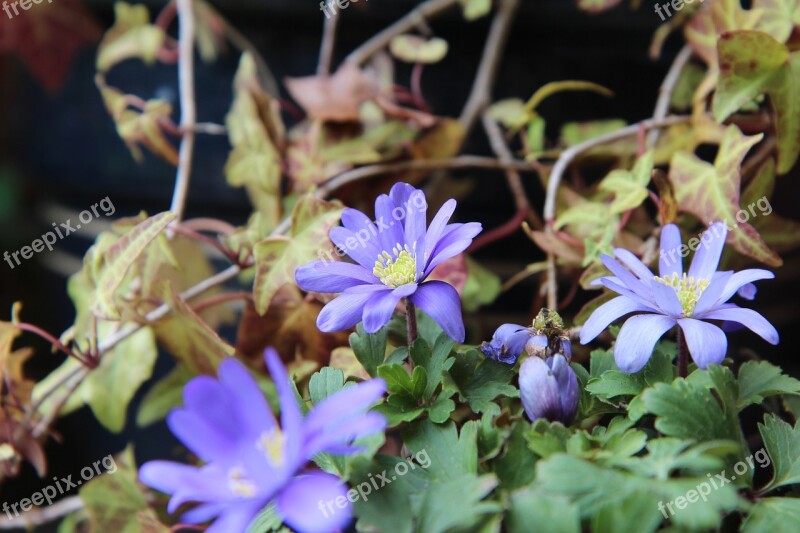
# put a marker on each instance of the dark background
(62, 149)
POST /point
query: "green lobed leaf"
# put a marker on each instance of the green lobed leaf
(479, 381)
(533, 506)
(759, 379)
(773, 515)
(369, 348)
(324, 383)
(614, 383)
(629, 186)
(435, 361)
(782, 442)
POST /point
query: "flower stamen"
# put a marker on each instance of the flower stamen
(240, 484)
(688, 289)
(398, 268)
(271, 443)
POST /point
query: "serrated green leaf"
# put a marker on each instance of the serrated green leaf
(515, 468)
(773, 515)
(614, 383)
(456, 503)
(529, 506)
(759, 379)
(369, 348)
(325, 383)
(479, 381)
(782, 442)
(452, 455)
(482, 287)
(435, 361)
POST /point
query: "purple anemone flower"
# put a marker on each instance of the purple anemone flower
(251, 461)
(394, 255)
(674, 297)
(511, 340)
(549, 389)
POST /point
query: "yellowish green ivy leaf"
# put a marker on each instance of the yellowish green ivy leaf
(131, 36)
(278, 257)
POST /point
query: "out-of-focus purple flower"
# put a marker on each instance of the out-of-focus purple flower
(394, 255)
(674, 297)
(549, 389)
(250, 460)
(511, 340)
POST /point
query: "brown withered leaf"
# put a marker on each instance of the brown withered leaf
(337, 97)
(290, 327)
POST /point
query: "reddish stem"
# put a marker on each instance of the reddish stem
(499, 232)
(217, 299)
(30, 328)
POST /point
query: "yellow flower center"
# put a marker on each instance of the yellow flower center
(398, 268)
(688, 289)
(240, 484)
(271, 443)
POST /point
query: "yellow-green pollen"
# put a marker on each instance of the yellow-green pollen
(240, 484)
(398, 268)
(688, 289)
(271, 443)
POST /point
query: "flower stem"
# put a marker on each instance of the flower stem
(683, 355)
(411, 322)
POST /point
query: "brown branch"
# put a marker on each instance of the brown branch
(464, 161)
(188, 106)
(327, 46)
(217, 299)
(514, 183)
(561, 165)
(666, 89)
(480, 96)
(38, 516)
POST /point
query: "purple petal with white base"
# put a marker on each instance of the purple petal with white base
(394, 259)
(251, 461)
(674, 297)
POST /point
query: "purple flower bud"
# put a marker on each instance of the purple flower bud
(507, 343)
(549, 389)
(566, 347)
(537, 346)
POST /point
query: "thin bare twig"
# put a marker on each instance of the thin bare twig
(417, 16)
(480, 96)
(38, 516)
(464, 161)
(665, 91)
(188, 106)
(560, 166)
(327, 47)
(514, 183)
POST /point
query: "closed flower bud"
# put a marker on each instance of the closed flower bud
(549, 389)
